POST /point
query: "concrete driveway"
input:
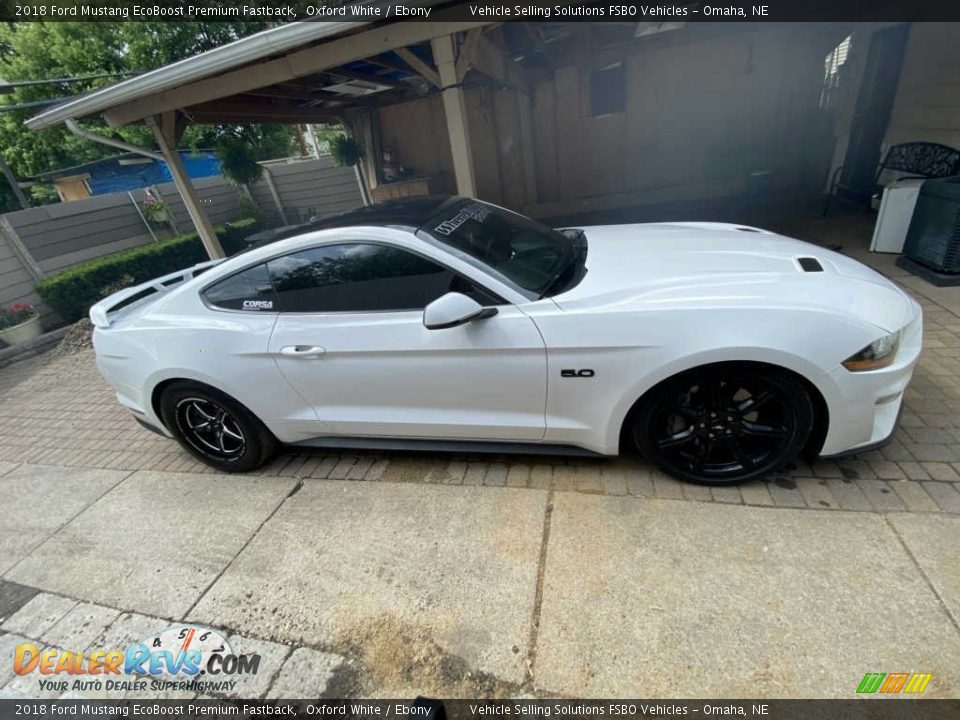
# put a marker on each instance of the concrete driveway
(397, 574)
(395, 589)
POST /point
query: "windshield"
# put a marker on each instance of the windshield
(525, 253)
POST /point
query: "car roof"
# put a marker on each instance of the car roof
(408, 214)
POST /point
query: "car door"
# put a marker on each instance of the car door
(350, 339)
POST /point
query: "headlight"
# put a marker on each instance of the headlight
(876, 355)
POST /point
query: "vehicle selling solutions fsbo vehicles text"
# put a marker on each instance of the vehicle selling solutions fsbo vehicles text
(547, 12)
(552, 11)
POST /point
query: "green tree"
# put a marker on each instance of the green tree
(44, 51)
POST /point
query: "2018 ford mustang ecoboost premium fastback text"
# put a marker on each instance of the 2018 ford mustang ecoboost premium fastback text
(720, 351)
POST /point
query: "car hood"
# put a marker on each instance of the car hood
(716, 264)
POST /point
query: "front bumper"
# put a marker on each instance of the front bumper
(864, 407)
(871, 445)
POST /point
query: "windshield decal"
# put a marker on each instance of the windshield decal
(474, 212)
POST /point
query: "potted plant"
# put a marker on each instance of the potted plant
(154, 209)
(345, 150)
(19, 322)
(348, 152)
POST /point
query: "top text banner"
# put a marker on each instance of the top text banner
(523, 11)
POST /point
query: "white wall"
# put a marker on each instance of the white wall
(927, 104)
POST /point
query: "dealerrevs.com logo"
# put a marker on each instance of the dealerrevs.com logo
(183, 657)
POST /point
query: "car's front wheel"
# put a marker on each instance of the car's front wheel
(724, 424)
(215, 428)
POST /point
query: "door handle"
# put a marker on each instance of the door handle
(303, 351)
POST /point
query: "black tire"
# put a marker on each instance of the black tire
(215, 428)
(723, 424)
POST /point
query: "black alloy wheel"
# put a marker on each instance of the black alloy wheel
(215, 428)
(210, 429)
(723, 424)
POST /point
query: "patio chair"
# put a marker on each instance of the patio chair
(915, 159)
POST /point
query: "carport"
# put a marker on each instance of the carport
(549, 118)
(304, 72)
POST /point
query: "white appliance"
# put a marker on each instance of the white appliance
(893, 218)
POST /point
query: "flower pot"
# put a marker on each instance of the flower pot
(27, 330)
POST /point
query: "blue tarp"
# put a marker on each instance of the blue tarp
(107, 176)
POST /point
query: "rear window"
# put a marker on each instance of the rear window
(249, 289)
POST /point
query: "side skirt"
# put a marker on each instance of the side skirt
(477, 446)
(151, 428)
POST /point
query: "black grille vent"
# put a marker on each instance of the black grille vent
(934, 236)
(810, 264)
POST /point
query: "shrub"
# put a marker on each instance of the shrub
(72, 291)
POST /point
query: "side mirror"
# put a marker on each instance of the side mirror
(454, 309)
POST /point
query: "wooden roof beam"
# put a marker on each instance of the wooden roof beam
(297, 64)
(282, 91)
(490, 59)
(214, 115)
(419, 66)
(390, 64)
(364, 77)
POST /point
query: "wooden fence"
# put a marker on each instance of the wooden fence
(44, 240)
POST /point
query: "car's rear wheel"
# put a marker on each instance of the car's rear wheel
(724, 424)
(215, 428)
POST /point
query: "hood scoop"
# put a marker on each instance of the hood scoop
(810, 264)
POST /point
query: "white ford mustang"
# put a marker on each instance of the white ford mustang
(720, 351)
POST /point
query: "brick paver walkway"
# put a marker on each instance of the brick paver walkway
(58, 411)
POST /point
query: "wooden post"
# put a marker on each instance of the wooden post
(14, 185)
(164, 131)
(423, 70)
(143, 218)
(528, 150)
(361, 126)
(454, 108)
(301, 141)
(19, 249)
(312, 134)
(275, 194)
(361, 185)
(171, 220)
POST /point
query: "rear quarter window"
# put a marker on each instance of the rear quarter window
(248, 289)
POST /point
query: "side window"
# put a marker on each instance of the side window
(608, 90)
(357, 277)
(249, 289)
